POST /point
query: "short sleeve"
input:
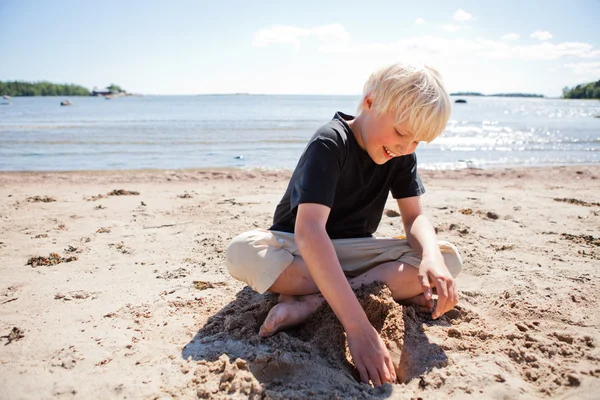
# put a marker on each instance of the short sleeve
(406, 181)
(317, 173)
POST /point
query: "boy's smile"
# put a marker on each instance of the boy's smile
(389, 153)
(381, 136)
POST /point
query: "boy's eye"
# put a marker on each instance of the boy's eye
(398, 133)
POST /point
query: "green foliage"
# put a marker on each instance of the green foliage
(114, 88)
(583, 91)
(44, 88)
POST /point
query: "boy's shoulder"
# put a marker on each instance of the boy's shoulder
(336, 130)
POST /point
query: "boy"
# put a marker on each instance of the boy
(320, 246)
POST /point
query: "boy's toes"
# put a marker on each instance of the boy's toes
(268, 327)
(274, 321)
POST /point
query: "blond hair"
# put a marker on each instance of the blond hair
(412, 93)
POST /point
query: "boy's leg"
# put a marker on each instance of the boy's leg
(270, 261)
(401, 278)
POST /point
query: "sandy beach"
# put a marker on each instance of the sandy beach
(136, 302)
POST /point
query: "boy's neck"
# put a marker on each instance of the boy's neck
(355, 127)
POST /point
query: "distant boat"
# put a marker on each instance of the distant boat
(6, 97)
(6, 103)
(460, 101)
(66, 103)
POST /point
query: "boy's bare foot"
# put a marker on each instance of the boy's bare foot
(420, 301)
(289, 312)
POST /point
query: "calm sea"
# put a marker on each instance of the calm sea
(249, 131)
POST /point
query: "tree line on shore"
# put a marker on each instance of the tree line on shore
(44, 88)
(583, 91)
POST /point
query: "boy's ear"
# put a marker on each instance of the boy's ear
(368, 103)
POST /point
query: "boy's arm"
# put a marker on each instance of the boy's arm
(421, 236)
(368, 350)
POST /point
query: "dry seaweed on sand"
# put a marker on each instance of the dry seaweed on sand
(582, 239)
(578, 202)
(40, 199)
(98, 197)
(52, 259)
(201, 285)
(123, 192)
(469, 211)
(14, 335)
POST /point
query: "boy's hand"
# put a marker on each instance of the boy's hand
(370, 356)
(433, 271)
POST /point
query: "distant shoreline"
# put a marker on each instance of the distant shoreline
(533, 95)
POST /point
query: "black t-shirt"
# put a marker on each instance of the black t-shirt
(336, 172)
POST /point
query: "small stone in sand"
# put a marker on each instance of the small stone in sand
(492, 215)
(392, 213)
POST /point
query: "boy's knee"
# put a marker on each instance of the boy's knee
(236, 255)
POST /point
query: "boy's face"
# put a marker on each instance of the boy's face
(383, 138)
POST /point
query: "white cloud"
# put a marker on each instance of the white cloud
(461, 15)
(465, 63)
(541, 35)
(438, 48)
(419, 21)
(591, 69)
(542, 51)
(451, 28)
(510, 36)
(291, 35)
(335, 39)
(335, 32)
(279, 34)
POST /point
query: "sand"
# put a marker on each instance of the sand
(136, 302)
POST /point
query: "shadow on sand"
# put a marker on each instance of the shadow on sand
(310, 361)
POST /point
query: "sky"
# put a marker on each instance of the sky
(299, 47)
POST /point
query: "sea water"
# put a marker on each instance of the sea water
(270, 131)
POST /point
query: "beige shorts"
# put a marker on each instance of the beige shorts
(259, 256)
